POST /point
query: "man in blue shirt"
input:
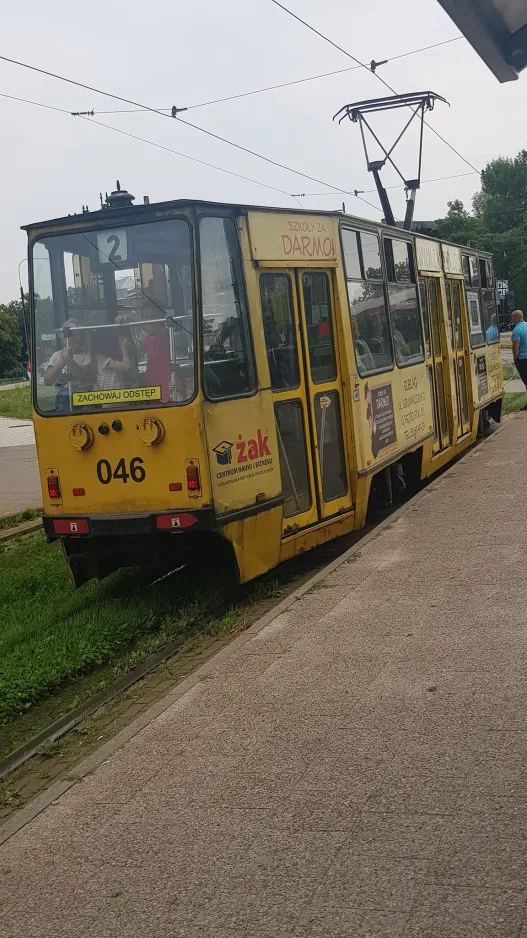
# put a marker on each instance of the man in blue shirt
(519, 345)
(492, 334)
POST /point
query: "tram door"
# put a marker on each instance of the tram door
(437, 359)
(454, 294)
(298, 320)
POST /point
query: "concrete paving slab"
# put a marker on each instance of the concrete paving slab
(354, 767)
(19, 479)
(449, 912)
(14, 432)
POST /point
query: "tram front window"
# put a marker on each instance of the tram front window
(113, 318)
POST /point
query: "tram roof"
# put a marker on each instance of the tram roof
(125, 214)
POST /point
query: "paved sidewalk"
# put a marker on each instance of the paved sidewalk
(355, 768)
(15, 432)
(19, 478)
(514, 386)
(13, 386)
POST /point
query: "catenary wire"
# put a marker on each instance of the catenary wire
(194, 159)
(296, 196)
(185, 156)
(159, 146)
(362, 64)
(424, 182)
(209, 133)
(285, 84)
(49, 107)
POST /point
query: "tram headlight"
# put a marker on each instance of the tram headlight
(81, 436)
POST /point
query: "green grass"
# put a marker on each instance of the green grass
(28, 514)
(509, 371)
(514, 402)
(51, 633)
(16, 403)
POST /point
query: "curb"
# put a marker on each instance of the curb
(93, 761)
(25, 528)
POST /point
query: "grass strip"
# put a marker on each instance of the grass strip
(51, 633)
(514, 402)
(11, 521)
(16, 403)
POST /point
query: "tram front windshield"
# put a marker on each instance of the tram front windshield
(114, 318)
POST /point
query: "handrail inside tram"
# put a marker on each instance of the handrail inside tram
(67, 330)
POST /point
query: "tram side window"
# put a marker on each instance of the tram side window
(317, 306)
(474, 271)
(477, 336)
(228, 367)
(404, 308)
(489, 273)
(369, 316)
(489, 315)
(426, 318)
(279, 330)
(466, 270)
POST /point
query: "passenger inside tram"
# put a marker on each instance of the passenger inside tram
(70, 369)
(115, 360)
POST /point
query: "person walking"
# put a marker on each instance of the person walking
(519, 345)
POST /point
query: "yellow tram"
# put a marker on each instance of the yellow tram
(207, 371)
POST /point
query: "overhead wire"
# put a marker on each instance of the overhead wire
(221, 169)
(160, 146)
(285, 84)
(152, 143)
(424, 182)
(180, 120)
(368, 69)
(49, 107)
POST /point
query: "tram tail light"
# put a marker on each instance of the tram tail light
(53, 487)
(193, 480)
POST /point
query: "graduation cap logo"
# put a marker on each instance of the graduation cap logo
(223, 453)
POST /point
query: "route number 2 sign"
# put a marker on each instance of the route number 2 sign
(111, 246)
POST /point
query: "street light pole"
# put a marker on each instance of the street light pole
(24, 315)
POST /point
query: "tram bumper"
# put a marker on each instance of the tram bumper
(97, 545)
(129, 525)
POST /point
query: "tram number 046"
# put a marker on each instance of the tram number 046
(135, 471)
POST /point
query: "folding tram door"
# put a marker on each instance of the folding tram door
(460, 352)
(301, 343)
(437, 359)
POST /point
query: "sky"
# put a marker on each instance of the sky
(164, 53)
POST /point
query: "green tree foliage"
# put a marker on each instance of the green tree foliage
(460, 227)
(498, 222)
(10, 340)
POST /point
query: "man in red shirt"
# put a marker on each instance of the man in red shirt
(157, 348)
(159, 371)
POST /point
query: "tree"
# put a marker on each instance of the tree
(502, 202)
(460, 227)
(499, 221)
(10, 340)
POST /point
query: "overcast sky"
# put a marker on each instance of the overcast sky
(163, 53)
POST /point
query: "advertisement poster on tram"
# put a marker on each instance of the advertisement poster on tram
(481, 375)
(381, 417)
(474, 315)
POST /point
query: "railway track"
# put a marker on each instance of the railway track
(295, 578)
